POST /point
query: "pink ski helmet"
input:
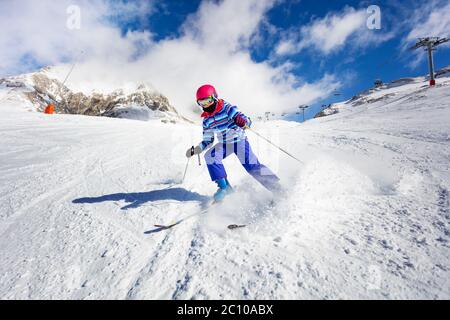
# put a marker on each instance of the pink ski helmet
(206, 91)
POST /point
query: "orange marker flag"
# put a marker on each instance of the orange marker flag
(50, 109)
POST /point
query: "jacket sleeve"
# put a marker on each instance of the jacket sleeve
(208, 137)
(233, 112)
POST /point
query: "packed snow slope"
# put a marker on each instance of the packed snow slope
(366, 214)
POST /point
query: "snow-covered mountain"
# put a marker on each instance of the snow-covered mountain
(42, 88)
(367, 213)
(385, 91)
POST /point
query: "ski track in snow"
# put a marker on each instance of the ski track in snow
(366, 216)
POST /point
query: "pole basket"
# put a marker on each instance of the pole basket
(432, 82)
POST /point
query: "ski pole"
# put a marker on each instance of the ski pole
(187, 165)
(273, 144)
(185, 170)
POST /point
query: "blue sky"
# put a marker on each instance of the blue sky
(385, 61)
(350, 61)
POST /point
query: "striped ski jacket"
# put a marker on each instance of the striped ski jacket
(221, 122)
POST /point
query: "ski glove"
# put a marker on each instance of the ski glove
(193, 151)
(240, 121)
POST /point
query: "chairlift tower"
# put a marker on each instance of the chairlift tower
(430, 44)
(302, 107)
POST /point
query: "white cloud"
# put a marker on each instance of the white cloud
(38, 29)
(227, 25)
(431, 19)
(332, 33)
(286, 47)
(213, 47)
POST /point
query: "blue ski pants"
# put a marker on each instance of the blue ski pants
(248, 159)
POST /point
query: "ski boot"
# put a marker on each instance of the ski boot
(224, 189)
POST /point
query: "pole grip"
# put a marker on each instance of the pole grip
(192, 151)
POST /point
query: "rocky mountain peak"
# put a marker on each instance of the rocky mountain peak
(144, 103)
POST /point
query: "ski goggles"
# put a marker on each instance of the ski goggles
(206, 102)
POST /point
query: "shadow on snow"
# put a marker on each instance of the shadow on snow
(137, 199)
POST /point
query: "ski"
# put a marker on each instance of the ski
(162, 227)
(171, 225)
(236, 226)
(165, 227)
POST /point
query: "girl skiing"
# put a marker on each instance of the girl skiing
(224, 119)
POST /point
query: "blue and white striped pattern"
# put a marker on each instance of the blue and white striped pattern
(222, 123)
